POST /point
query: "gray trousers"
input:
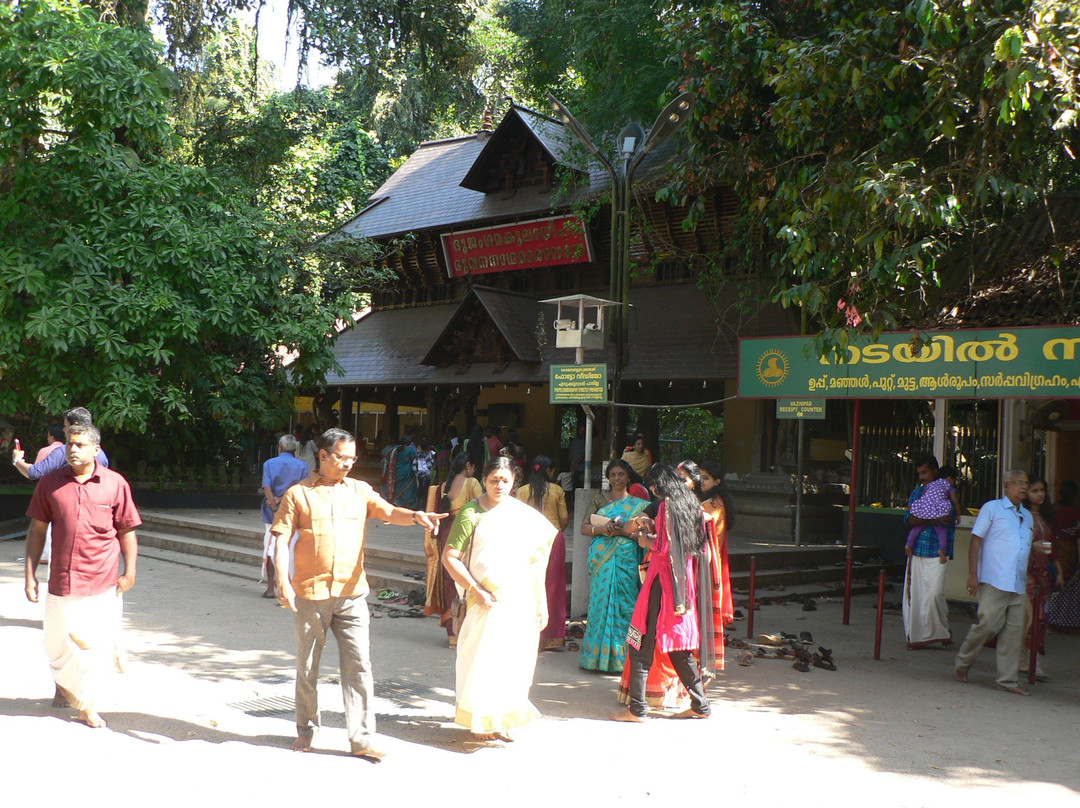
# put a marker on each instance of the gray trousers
(1000, 613)
(350, 621)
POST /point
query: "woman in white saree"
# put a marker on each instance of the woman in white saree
(497, 554)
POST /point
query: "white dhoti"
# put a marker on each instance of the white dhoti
(925, 612)
(80, 639)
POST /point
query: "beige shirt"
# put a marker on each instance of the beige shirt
(554, 503)
(330, 519)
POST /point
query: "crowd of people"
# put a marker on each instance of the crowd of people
(659, 595)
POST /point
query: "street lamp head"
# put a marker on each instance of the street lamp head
(667, 123)
(578, 131)
(630, 140)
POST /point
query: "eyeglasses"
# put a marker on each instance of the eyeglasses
(1017, 483)
(345, 459)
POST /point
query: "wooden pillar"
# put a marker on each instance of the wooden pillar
(434, 426)
(393, 423)
(324, 408)
(649, 426)
(345, 410)
(470, 396)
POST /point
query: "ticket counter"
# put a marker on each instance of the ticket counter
(884, 529)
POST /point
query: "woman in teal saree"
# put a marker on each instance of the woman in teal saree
(406, 494)
(613, 568)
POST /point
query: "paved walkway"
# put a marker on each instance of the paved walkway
(203, 714)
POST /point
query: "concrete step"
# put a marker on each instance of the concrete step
(802, 577)
(772, 557)
(207, 548)
(379, 580)
(816, 570)
(793, 595)
(400, 560)
(205, 529)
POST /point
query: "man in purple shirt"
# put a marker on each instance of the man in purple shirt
(57, 458)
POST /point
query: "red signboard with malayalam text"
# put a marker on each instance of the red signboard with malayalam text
(539, 243)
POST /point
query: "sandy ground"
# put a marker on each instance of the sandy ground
(203, 713)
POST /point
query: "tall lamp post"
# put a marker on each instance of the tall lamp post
(633, 144)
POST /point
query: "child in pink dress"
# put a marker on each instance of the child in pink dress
(937, 501)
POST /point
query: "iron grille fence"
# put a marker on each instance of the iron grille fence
(972, 449)
(888, 462)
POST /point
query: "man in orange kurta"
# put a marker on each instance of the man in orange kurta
(328, 587)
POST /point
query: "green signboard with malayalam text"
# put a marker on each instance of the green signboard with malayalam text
(578, 384)
(982, 363)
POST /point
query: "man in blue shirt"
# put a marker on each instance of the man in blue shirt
(57, 459)
(279, 475)
(997, 576)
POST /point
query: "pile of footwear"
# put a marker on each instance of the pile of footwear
(575, 630)
(782, 646)
(396, 604)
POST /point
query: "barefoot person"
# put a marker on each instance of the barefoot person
(328, 586)
(497, 553)
(997, 576)
(93, 520)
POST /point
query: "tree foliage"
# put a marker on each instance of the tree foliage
(130, 283)
(690, 432)
(868, 140)
(606, 59)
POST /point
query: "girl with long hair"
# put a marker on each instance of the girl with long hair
(550, 500)
(673, 613)
(663, 690)
(716, 502)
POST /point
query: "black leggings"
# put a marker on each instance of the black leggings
(683, 661)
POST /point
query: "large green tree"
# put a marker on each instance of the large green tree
(606, 59)
(129, 283)
(867, 141)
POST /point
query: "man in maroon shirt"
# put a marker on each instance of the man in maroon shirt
(93, 523)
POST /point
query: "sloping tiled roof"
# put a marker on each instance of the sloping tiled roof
(673, 337)
(515, 316)
(513, 313)
(1025, 272)
(426, 193)
(385, 346)
(552, 135)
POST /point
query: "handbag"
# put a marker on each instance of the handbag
(457, 614)
(459, 604)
